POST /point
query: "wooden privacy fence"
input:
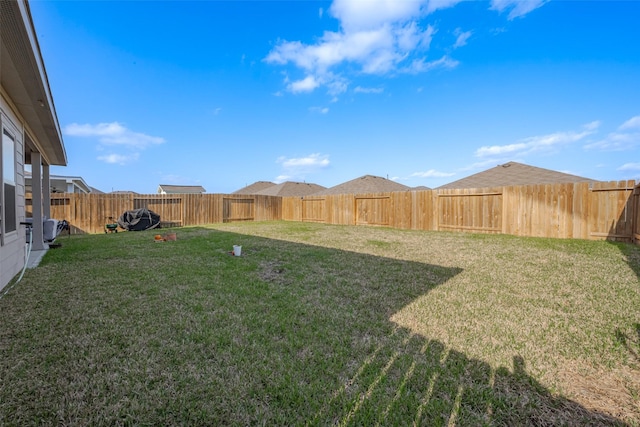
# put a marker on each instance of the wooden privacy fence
(88, 213)
(600, 210)
(604, 210)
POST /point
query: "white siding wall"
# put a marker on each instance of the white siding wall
(12, 252)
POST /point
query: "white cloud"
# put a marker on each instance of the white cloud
(300, 167)
(462, 38)
(441, 4)
(381, 37)
(319, 110)
(114, 134)
(593, 126)
(355, 15)
(517, 7)
(360, 89)
(377, 36)
(630, 167)
(557, 138)
(320, 12)
(538, 143)
(119, 159)
(421, 65)
(432, 173)
(336, 85)
(411, 36)
(375, 50)
(313, 160)
(307, 84)
(632, 123)
(627, 137)
(496, 150)
(616, 142)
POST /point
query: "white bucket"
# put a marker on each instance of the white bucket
(237, 250)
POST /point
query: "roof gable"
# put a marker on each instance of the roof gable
(514, 173)
(255, 187)
(181, 189)
(291, 189)
(365, 184)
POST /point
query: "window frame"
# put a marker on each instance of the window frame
(8, 135)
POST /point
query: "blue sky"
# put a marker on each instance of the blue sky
(223, 94)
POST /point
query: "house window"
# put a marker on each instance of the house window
(8, 215)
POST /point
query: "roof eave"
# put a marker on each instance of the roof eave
(24, 79)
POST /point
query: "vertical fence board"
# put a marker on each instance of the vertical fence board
(290, 208)
(401, 209)
(580, 211)
(268, 208)
(636, 214)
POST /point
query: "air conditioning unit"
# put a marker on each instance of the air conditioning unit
(50, 229)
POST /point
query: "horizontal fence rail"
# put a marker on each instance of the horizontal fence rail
(603, 210)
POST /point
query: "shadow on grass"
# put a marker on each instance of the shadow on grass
(630, 340)
(121, 330)
(631, 254)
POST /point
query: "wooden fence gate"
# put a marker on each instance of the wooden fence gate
(238, 209)
(479, 212)
(373, 210)
(612, 211)
(313, 210)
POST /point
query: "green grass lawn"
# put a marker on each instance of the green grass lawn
(323, 325)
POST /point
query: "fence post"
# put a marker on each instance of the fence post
(634, 215)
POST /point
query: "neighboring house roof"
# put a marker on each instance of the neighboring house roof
(420, 188)
(94, 190)
(365, 184)
(291, 189)
(181, 189)
(62, 184)
(513, 173)
(123, 192)
(255, 187)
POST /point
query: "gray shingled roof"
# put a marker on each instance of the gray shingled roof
(365, 184)
(290, 188)
(514, 173)
(255, 187)
(182, 189)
